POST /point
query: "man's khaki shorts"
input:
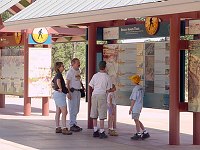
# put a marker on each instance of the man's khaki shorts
(99, 107)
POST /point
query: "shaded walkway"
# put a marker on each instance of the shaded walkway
(37, 132)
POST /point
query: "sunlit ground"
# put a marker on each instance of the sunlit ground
(17, 135)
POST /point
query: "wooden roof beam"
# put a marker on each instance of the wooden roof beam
(15, 9)
(67, 31)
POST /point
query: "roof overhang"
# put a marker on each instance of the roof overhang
(6, 4)
(115, 13)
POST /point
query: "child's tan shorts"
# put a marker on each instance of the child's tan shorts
(99, 107)
(135, 115)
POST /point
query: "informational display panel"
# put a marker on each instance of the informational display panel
(157, 67)
(39, 72)
(111, 33)
(194, 76)
(149, 60)
(194, 26)
(121, 63)
(12, 72)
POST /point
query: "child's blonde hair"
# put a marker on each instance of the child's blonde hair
(135, 78)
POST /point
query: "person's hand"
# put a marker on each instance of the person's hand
(69, 96)
(130, 111)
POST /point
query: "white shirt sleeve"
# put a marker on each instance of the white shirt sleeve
(133, 95)
(92, 82)
(69, 75)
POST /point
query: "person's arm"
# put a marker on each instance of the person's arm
(82, 86)
(108, 90)
(68, 80)
(133, 99)
(91, 83)
(131, 107)
(68, 87)
(109, 85)
(59, 85)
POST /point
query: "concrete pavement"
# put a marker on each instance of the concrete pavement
(18, 132)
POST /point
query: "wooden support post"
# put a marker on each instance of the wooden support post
(45, 106)
(27, 100)
(2, 96)
(45, 100)
(174, 114)
(2, 101)
(92, 33)
(196, 128)
(196, 115)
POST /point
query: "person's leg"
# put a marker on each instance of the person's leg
(141, 126)
(101, 125)
(72, 110)
(95, 125)
(110, 117)
(114, 116)
(64, 114)
(137, 124)
(145, 134)
(74, 105)
(78, 101)
(110, 121)
(96, 131)
(102, 134)
(102, 109)
(94, 110)
(94, 115)
(57, 116)
(58, 98)
(57, 120)
(136, 136)
(77, 96)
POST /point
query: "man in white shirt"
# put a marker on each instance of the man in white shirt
(100, 83)
(74, 85)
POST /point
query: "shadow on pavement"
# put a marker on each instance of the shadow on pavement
(39, 134)
(13, 109)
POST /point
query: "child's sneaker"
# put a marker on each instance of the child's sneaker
(58, 130)
(136, 137)
(96, 134)
(112, 132)
(102, 135)
(145, 135)
(66, 131)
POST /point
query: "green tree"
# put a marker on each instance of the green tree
(5, 15)
(65, 52)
